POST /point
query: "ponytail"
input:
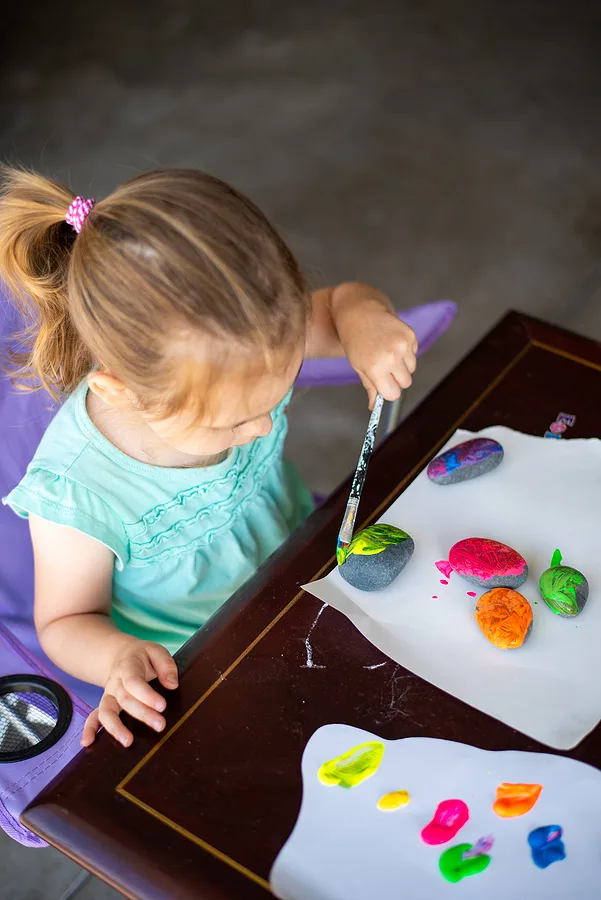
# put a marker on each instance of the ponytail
(35, 248)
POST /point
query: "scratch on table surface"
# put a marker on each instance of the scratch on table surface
(393, 701)
(377, 665)
(309, 664)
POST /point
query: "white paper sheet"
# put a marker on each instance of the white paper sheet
(546, 494)
(344, 848)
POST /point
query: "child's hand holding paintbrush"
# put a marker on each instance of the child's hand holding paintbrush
(358, 321)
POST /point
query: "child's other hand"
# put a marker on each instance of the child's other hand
(127, 689)
(378, 345)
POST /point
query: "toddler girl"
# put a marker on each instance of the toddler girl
(172, 320)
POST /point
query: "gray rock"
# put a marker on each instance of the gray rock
(374, 571)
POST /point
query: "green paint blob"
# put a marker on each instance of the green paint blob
(351, 768)
(558, 589)
(372, 540)
(556, 559)
(453, 867)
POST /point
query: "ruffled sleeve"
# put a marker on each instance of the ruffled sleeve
(60, 499)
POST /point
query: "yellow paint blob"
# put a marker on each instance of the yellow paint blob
(352, 767)
(394, 800)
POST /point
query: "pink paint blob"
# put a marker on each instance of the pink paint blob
(442, 581)
(444, 567)
(472, 594)
(449, 818)
(434, 597)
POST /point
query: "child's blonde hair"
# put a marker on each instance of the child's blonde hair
(168, 256)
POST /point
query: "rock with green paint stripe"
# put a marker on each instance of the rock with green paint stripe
(564, 590)
(375, 557)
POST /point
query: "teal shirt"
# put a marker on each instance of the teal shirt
(184, 539)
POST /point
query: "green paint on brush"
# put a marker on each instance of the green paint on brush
(373, 539)
(558, 589)
(454, 867)
(556, 559)
(352, 767)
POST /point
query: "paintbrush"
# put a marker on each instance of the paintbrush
(348, 523)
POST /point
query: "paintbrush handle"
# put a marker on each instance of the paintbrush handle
(350, 514)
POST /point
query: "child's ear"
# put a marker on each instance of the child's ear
(109, 388)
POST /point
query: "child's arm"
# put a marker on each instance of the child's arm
(73, 583)
(358, 321)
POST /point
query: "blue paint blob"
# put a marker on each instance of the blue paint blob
(546, 845)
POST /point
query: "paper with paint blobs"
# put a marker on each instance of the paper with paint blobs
(448, 836)
(545, 495)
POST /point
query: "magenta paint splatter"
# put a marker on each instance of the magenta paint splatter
(472, 594)
(449, 818)
(444, 567)
(434, 597)
(443, 581)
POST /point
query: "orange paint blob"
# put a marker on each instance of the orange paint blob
(515, 799)
(504, 618)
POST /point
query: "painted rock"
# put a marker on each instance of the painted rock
(375, 557)
(467, 460)
(504, 617)
(564, 590)
(488, 563)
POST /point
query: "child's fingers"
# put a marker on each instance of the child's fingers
(142, 691)
(140, 711)
(90, 728)
(410, 361)
(108, 716)
(390, 386)
(164, 665)
(401, 371)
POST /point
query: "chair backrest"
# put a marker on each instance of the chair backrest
(24, 418)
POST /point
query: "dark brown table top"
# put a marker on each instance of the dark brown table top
(204, 810)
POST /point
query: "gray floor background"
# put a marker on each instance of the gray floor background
(437, 148)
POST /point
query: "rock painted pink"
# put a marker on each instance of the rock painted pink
(488, 563)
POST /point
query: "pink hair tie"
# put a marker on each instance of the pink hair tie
(78, 211)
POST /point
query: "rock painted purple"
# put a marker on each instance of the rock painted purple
(464, 461)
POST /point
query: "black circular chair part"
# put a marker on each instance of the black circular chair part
(35, 713)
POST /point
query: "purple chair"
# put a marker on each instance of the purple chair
(23, 420)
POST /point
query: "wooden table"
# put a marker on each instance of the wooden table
(204, 810)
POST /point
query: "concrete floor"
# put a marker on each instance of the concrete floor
(436, 149)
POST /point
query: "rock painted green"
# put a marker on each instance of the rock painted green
(564, 590)
(373, 539)
(351, 768)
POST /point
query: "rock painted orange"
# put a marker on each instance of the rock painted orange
(515, 799)
(504, 618)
